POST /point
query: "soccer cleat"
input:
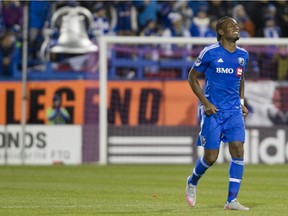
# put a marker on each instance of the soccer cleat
(190, 194)
(235, 205)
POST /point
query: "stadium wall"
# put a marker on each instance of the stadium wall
(148, 121)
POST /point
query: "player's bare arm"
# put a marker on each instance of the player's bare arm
(193, 77)
(242, 86)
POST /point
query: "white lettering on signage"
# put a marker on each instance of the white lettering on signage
(269, 150)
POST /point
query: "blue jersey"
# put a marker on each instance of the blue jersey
(223, 71)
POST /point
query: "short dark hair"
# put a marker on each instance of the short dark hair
(56, 97)
(220, 25)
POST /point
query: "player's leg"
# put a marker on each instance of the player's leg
(235, 176)
(236, 149)
(236, 169)
(209, 138)
(201, 165)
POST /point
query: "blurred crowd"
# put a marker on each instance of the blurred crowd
(142, 17)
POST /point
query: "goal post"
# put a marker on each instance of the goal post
(106, 41)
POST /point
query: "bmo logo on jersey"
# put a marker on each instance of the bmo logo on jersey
(224, 70)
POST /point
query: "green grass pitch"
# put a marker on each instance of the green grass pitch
(136, 190)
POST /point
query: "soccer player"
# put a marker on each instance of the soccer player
(222, 110)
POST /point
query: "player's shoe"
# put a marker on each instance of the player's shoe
(190, 194)
(235, 205)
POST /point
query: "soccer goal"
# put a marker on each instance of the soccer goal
(148, 113)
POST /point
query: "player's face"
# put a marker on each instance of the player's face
(231, 31)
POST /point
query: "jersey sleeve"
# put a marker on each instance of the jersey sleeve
(247, 60)
(202, 62)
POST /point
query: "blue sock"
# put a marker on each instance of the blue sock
(235, 173)
(200, 167)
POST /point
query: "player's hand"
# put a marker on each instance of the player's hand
(244, 111)
(210, 109)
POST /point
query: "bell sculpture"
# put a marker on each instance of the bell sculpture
(73, 31)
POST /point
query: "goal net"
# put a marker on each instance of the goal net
(148, 113)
